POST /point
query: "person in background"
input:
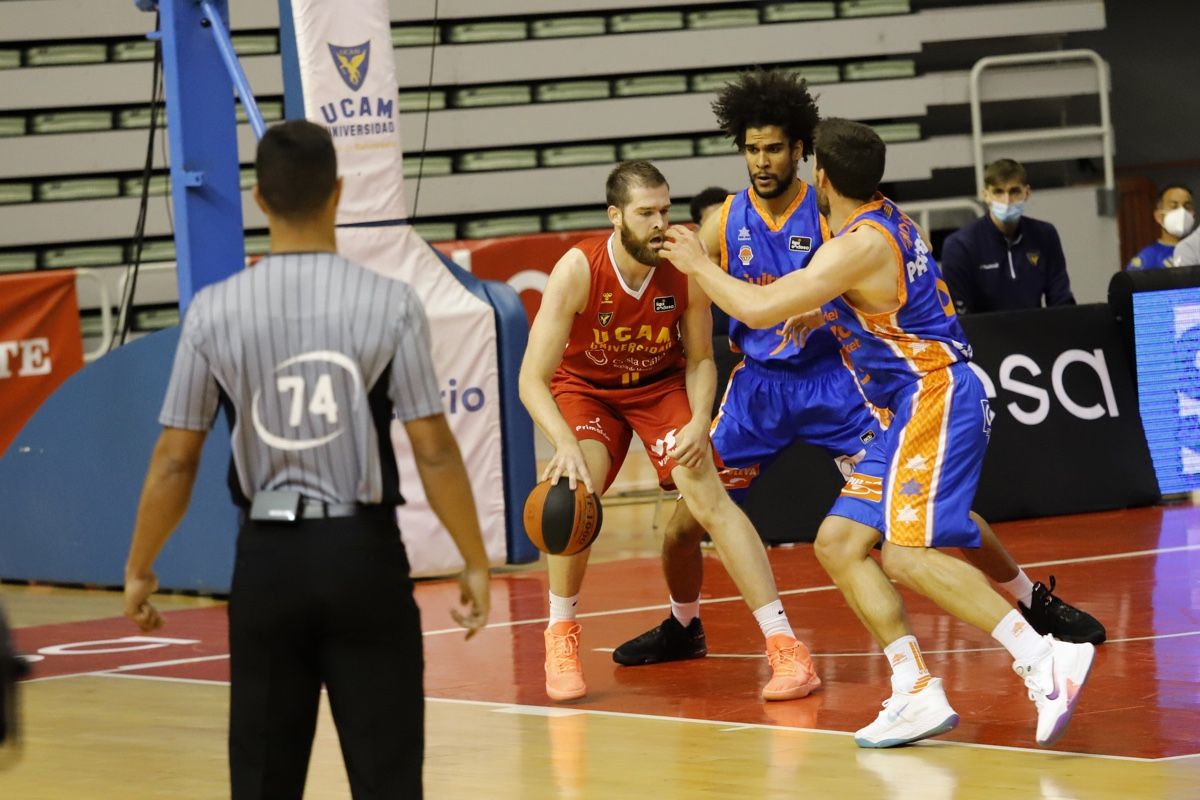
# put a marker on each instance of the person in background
(1175, 212)
(1187, 252)
(1005, 260)
(708, 201)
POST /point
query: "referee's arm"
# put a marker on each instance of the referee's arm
(187, 414)
(165, 497)
(418, 405)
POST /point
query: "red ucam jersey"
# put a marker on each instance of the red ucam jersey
(626, 336)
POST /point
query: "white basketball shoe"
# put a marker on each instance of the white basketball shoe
(908, 718)
(1054, 685)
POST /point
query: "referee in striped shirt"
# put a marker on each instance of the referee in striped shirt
(308, 354)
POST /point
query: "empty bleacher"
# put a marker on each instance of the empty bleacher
(527, 107)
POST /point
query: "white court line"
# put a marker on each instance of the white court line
(727, 726)
(131, 667)
(810, 590)
(125, 670)
(171, 663)
(1114, 556)
(163, 678)
(954, 651)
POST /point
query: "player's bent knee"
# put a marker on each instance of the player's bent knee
(904, 564)
(683, 529)
(705, 508)
(841, 543)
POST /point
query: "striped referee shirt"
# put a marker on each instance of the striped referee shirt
(309, 354)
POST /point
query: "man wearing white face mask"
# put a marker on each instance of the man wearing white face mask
(1006, 260)
(1175, 212)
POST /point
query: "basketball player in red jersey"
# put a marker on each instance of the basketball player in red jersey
(622, 344)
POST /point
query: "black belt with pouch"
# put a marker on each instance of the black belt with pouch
(288, 507)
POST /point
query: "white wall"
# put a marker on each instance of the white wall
(1090, 241)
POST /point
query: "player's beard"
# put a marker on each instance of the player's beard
(781, 185)
(640, 249)
(822, 202)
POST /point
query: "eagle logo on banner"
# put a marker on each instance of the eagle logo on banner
(352, 63)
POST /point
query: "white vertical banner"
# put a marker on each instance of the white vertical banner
(348, 77)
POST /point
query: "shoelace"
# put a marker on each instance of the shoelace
(1036, 693)
(783, 661)
(1049, 602)
(565, 647)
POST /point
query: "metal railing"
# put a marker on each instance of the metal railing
(106, 318)
(921, 210)
(1103, 131)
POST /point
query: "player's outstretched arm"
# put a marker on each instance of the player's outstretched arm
(710, 235)
(701, 377)
(565, 296)
(837, 267)
(165, 497)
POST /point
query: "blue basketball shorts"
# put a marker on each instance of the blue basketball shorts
(917, 481)
(767, 407)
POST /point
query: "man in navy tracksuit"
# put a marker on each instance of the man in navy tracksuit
(1005, 260)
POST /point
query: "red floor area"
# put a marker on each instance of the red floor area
(1143, 699)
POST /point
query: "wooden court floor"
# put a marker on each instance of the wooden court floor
(106, 720)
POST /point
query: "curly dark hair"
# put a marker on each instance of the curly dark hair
(759, 97)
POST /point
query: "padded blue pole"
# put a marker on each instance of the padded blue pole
(202, 132)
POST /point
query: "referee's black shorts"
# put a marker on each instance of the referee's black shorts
(325, 601)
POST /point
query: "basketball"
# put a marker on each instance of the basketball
(561, 522)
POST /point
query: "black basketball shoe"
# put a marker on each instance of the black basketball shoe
(670, 641)
(1064, 622)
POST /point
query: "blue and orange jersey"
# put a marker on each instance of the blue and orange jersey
(754, 248)
(893, 349)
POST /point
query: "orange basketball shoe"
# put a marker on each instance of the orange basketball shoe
(564, 673)
(793, 675)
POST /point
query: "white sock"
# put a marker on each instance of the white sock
(909, 673)
(562, 608)
(772, 620)
(1020, 639)
(684, 613)
(1020, 588)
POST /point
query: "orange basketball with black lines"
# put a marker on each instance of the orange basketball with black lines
(562, 522)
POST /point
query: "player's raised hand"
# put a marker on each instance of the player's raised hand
(683, 248)
(691, 445)
(568, 462)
